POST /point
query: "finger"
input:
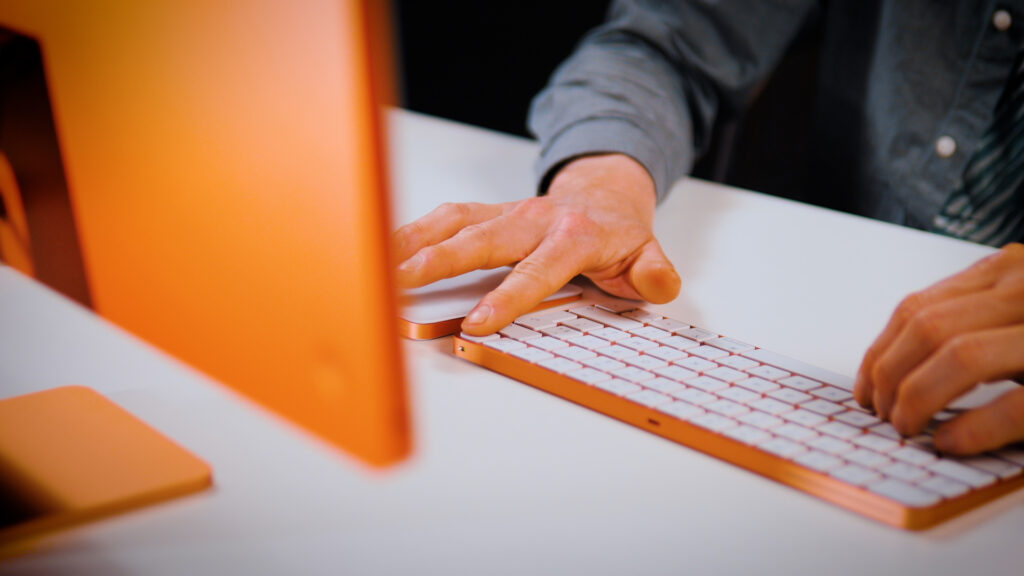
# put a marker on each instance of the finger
(991, 426)
(653, 276)
(649, 276)
(955, 368)
(497, 242)
(929, 330)
(440, 224)
(980, 276)
(555, 261)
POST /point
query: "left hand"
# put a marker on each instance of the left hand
(943, 341)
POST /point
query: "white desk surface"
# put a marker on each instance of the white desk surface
(507, 479)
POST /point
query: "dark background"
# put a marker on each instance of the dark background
(481, 62)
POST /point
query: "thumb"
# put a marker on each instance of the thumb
(652, 275)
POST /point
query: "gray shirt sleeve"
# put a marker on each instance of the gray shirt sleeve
(650, 82)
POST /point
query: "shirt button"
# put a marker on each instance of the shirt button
(945, 146)
(1001, 20)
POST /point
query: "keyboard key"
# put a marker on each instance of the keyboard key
(638, 344)
(618, 306)
(646, 362)
(707, 352)
(759, 385)
(823, 407)
(562, 332)
(714, 422)
(786, 363)
(706, 383)
(588, 375)
(605, 317)
(912, 455)
(832, 393)
(767, 372)
(669, 325)
(694, 396)
(795, 432)
(505, 344)
(868, 458)
(612, 335)
(544, 319)
(805, 418)
(575, 353)
(548, 343)
(783, 447)
(641, 315)
(679, 343)
(560, 365)
(857, 419)
(789, 396)
(830, 445)
(698, 334)
(839, 430)
(771, 406)
(1011, 455)
(618, 387)
(589, 342)
(856, 475)
(965, 474)
(904, 493)
(739, 395)
(696, 364)
(799, 383)
(737, 362)
(663, 385)
(748, 435)
(876, 442)
(726, 374)
(681, 410)
(666, 353)
(904, 471)
(944, 487)
(618, 352)
(583, 325)
(675, 373)
(650, 398)
(818, 461)
(651, 333)
(734, 346)
(603, 363)
(532, 354)
(726, 408)
(886, 429)
(760, 420)
(632, 374)
(1000, 468)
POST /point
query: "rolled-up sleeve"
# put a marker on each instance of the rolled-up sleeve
(652, 80)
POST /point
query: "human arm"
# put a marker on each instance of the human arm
(943, 341)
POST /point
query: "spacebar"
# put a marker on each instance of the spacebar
(787, 363)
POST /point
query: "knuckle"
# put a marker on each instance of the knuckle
(963, 352)
(927, 326)
(453, 211)
(532, 208)
(910, 307)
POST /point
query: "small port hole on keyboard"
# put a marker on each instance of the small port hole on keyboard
(653, 421)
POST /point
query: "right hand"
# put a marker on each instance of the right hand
(595, 220)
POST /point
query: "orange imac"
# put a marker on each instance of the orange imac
(209, 176)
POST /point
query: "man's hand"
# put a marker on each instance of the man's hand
(596, 220)
(943, 341)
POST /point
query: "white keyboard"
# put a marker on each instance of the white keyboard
(784, 419)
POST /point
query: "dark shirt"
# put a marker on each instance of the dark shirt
(905, 89)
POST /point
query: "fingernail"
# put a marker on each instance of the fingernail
(479, 315)
(411, 264)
